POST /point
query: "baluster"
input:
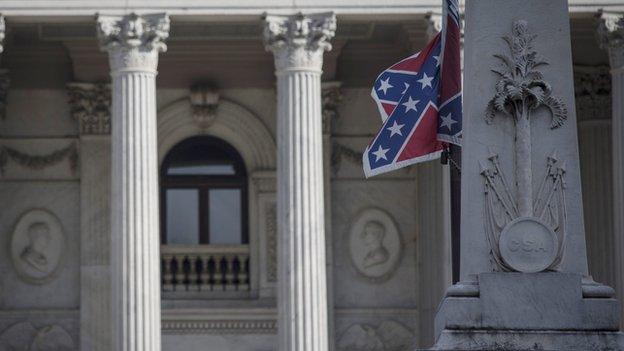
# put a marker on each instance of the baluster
(204, 277)
(219, 273)
(175, 265)
(193, 274)
(243, 273)
(229, 273)
(167, 274)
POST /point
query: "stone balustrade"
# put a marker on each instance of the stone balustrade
(205, 268)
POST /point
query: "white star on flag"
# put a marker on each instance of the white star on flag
(380, 154)
(385, 85)
(437, 58)
(447, 121)
(425, 81)
(395, 129)
(410, 104)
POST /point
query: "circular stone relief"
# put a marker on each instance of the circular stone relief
(37, 246)
(528, 245)
(374, 244)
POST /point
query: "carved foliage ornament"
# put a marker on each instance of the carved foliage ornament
(298, 41)
(90, 106)
(133, 41)
(525, 234)
(204, 101)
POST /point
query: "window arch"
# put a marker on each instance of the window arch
(204, 194)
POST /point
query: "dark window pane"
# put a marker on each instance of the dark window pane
(225, 216)
(201, 157)
(199, 169)
(182, 216)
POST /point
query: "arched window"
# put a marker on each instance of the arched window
(203, 194)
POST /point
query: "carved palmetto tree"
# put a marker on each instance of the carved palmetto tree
(520, 90)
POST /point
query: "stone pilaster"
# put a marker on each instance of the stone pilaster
(298, 43)
(90, 106)
(331, 96)
(611, 37)
(133, 43)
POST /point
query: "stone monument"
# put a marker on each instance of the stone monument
(524, 278)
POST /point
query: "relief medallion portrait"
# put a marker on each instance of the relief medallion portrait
(37, 246)
(374, 244)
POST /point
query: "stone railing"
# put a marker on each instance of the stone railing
(204, 268)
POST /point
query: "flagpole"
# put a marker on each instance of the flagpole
(452, 157)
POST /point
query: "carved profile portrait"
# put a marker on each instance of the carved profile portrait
(36, 246)
(374, 244)
(373, 236)
(38, 241)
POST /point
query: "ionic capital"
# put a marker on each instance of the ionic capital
(133, 42)
(611, 37)
(298, 41)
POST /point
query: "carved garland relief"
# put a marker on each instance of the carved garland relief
(525, 233)
(37, 246)
(24, 336)
(374, 245)
(38, 162)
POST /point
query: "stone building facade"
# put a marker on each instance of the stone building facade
(196, 160)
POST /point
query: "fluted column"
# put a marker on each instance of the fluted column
(298, 43)
(611, 34)
(133, 43)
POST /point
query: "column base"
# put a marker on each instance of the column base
(516, 311)
(519, 340)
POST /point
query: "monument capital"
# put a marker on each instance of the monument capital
(298, 41)
(133, 41)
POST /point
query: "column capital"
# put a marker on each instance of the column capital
(2, 32)
(433, 21)
(611, 36)
(298, 41)
(133, 41)
(90, 106)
